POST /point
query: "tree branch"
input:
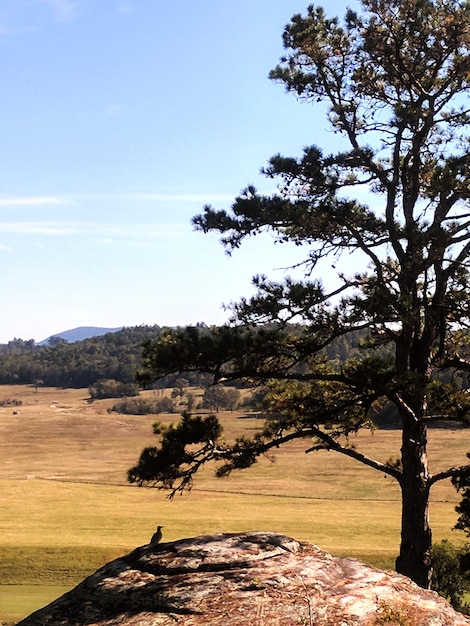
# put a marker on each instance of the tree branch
(332, 444)
(453, 472)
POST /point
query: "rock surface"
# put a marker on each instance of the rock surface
(257, 578)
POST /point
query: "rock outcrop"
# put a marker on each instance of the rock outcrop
(256, 578)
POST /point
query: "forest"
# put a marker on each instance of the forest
(114, 356)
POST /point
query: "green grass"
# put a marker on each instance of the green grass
(67, 510)
(40, 565)
(17, 601)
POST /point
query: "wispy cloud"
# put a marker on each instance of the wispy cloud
(156, 197)
(64, 10)
(141, 231)
(33, 201)
(6, 30)
(110, 231)
(125, 8)
(114, 110)
(37, 228)
(137, 197)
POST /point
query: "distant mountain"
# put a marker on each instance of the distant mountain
(115, 355)
(78, 334)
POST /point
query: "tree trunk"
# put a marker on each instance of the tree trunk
(414, 560)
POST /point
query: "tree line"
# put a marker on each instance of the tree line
(115, 356)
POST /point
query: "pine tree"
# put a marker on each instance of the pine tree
(395, 79)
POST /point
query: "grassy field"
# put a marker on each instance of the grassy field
(66, 507)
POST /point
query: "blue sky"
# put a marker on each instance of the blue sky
(119, 120)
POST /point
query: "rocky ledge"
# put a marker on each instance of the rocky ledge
(256, 578)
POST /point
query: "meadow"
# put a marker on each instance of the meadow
(67, 508)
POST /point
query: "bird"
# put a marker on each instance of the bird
(157, 535)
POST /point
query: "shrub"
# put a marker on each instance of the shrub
(110, 388)
(164, 405)
(140, 406)
(10, 402)
(451, 574)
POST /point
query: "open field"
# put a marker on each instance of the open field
(66, 507)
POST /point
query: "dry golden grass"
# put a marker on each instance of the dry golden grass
(66, 507)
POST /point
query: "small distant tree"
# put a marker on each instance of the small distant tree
(181, 384)
(176, 392)
(214, 398)
(393, 199)
(232, 398)
(190, 402)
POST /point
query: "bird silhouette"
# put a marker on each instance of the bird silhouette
(157, 535)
